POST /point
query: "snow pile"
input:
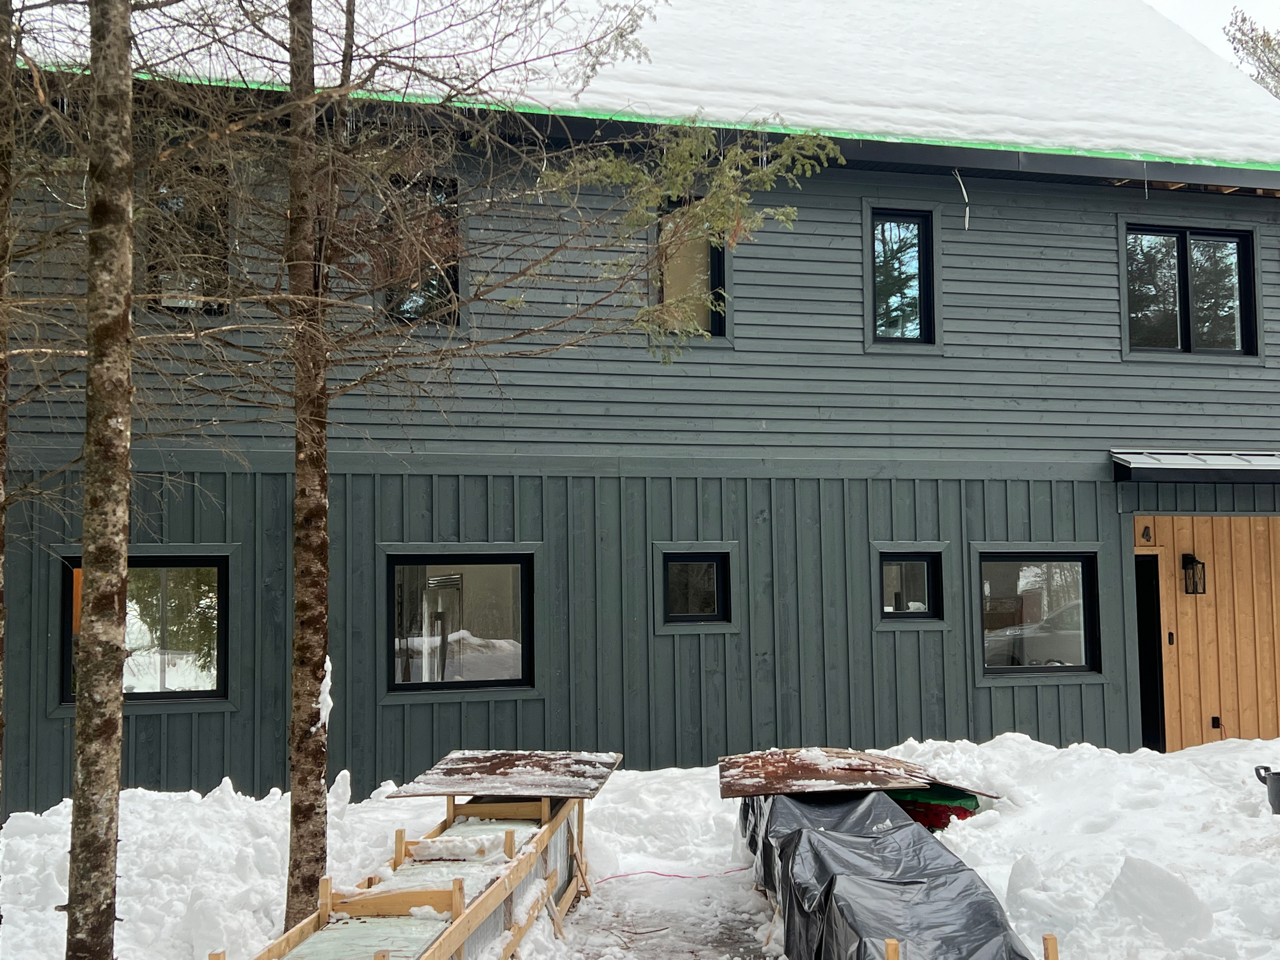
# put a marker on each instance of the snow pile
(196, 873)
(1124, 856)
(1135, 856)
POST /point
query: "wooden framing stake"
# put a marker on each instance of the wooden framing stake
(450, 810)
(326, 898)
(509, 845)
(891, 950)
(1050, 947)
(459, 899)
(382, 955)
(546, 810)
(401, 851)
(218, 955)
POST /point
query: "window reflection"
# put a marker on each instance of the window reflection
(1215, 285)
(897, 293)
(1033, 613)
(1152, 269)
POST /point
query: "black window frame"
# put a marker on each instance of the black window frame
(1090, 614)
(223, 566)
(525, 562)
(149, 237)
(1186, 328)
(933, 585)
(928, 324)
(723, 592)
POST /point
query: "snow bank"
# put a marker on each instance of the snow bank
(1125, 856)
(1138, 855)
(196, 873)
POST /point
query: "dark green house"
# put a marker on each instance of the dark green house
(987, 442)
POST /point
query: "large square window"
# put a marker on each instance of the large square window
(910, 585)
(696, 587)
(1039, 612)
(902, 278)
(461, 621)
(175, 628)
(1190, 291)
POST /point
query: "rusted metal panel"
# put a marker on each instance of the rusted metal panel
(514, 773)
(822, 769)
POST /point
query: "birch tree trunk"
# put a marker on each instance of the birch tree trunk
(8, 115)
(308, 742)
(99, 659)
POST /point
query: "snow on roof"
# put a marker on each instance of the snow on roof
(1094, 77)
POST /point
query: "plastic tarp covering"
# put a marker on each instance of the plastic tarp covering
(849, 871)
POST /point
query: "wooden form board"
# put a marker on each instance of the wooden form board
(1223, 661)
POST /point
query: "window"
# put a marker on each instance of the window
(696, 587)
(1039, 612)
(1190, 291)
(910, 585)
(175, 628)
(419, 262)
(184, 243)
(902, 260)
(692, 270)
(461, 621)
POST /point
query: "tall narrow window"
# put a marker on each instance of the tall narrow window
(692, 271)
(175, 628)
(420, 274)
(1039, 612)
(903, 278)
(183, 242)
(458, 622)
(1190, 291)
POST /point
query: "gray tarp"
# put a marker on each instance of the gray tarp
(851, 870)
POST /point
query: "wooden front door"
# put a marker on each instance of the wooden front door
(1221, 671)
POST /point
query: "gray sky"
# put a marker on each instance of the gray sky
(1204, 19)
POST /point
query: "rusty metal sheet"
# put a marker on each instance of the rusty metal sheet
(819, 770)
(514, 773)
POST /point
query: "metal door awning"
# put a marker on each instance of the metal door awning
(1192, 466)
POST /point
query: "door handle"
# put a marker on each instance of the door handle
(1171, 638)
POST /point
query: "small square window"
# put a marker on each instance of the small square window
(1039, 612)
(903, 276)
(461, 622)
(910, 585)
(1190, 291)
(175, 628)
(696, 587)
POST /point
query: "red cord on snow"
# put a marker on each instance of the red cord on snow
(672, 876)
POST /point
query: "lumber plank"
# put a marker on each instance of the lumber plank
(891, 950)
(1050, 947)
(518, 930)
(499, 810)
(394, 903)
(483, 905)
(566, 900)
(292, 937)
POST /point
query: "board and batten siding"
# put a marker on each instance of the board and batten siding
(811, 664)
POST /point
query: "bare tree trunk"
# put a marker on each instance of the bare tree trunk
(308, 742)
(8, 116)
(99, 661)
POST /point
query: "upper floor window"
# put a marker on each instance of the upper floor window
(459, 621)
(1190, 291)
(182, 240)
(692, 269)
(419, 264)
(903, 276)
(174, 629)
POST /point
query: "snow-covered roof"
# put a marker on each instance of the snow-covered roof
(1109, 78)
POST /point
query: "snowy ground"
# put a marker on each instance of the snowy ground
(1124, 856)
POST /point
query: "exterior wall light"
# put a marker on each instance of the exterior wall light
(1193, 573)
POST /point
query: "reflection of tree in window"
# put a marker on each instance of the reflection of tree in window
(897, 279)
(1215, 285)
(1152, 268)
(184, 242)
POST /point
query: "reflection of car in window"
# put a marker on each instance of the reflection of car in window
(1056, 641)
